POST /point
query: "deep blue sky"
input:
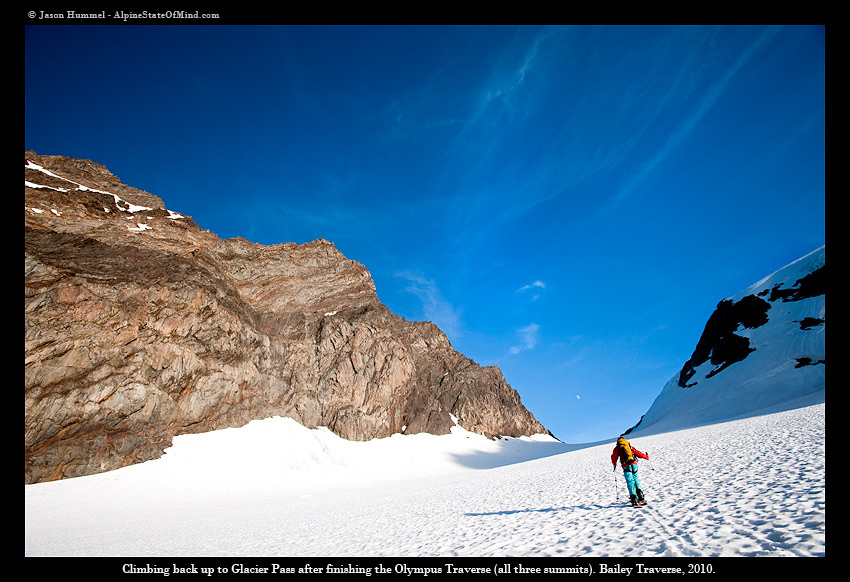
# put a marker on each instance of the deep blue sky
(568, 203)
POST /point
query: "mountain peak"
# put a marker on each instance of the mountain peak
(762, 349)
(140, 325)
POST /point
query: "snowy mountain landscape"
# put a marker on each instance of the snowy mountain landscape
(140, 326)
(762, 348)
(737, 468)
(276, 489)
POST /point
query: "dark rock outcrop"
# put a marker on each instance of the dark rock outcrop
(139, 326)
(719, 342)
(762, 350)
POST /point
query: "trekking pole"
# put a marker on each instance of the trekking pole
(651, 468)
(650, 465)
(616, 489)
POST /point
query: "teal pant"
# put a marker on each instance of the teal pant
(632, 481)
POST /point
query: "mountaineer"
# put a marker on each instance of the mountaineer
(628, 456)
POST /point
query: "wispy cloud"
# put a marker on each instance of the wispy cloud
(533, 286)
(435, 307)
(571, 362)
(539, 284)
(529, 335)
(684, 129)
(507, 79)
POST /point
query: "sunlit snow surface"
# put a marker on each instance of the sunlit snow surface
(750, 487)
(770, 377)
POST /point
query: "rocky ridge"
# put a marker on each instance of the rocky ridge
(140, 325)
(763, 349)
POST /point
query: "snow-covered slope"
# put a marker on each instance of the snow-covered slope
(275, 489)
(763, 350)
(753, 486)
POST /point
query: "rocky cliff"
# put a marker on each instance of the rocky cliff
(139, 326)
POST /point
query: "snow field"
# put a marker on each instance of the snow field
(751, 487)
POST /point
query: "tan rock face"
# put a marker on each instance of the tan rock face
(140, 326)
